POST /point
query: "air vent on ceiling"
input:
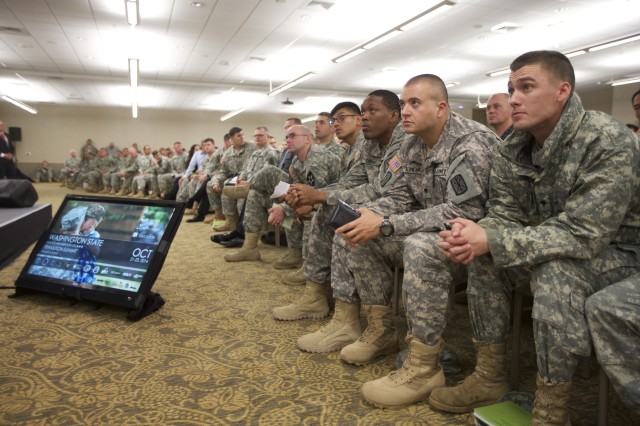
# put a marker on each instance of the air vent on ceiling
(14, 31)
(326, 5)
(256, 59)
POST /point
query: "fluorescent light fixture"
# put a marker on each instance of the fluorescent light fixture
(308, 119)
(501, 71)
(575, 53)
(451, 84)
(381, 39)
(387, 35)
(134, 110)
(424, 16)
(614, 43)
(232, 114)
(132, 11)
(350, 54)
(134, 67)
(20, 105)
(291, 83)
(627, 81)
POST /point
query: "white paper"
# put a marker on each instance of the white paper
(280, 190)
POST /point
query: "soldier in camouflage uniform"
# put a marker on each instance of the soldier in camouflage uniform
(613, 315)
(84, 169)
(145, 177)
(161, 167)
(116, 179)
(445, 173)
(264, 155)
(312, 165)
(99, 176)
(215, 198)
(365, 181)
(325, 135)
(88, 149)
(69, 169)
(232, 163)
(178, 166)
(129, 170)
(563, 217)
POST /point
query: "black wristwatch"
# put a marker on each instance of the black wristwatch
(386, 227)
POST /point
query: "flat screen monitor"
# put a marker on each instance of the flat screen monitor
(103, 249)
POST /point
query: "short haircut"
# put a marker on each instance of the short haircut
(234, 131)
(295, 120)
(554, 62)
(324, 114)
(439, 88)
(177, 143)
(209, 140)
(226, 137)
(263, 128)
(389, 99)
(348, 105)
(154, 152)
(634, 95)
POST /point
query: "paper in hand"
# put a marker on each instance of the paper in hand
(280, 190)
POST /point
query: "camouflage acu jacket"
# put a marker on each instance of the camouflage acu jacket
(451, 180)
(571, 198)
(370, 177)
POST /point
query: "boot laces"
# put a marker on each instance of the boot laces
(370, 334)
(405, 373)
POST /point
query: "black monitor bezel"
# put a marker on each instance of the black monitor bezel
(116, 297)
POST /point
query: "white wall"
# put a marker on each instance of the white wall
(56, 129)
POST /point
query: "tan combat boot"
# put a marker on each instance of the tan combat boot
(123, 192)
(550, 405)
(379, 339)
(209, 218)
(249, 250)
(294, 278)
(113, 191)
(139, 194)
(344, 328)
(104, 190)
(229, 225)
(313, 304)
(484, 386)
(292, 260)
(413, 382)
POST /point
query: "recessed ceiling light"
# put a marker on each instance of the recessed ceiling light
(305, 17)
(197, 4)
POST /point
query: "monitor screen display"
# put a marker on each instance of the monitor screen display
(103, 249)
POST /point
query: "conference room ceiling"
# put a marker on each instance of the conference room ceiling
(222, 55)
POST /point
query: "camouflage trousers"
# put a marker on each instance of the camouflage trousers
(613, 315)
(82, 178)
(116, 181)
(229, 206)
(560, 288)
(165, 182)
(259, 201)
(317, 265)
(140, 182)
(215, 198)
(94, 181)
(187, 188)
(366, 273)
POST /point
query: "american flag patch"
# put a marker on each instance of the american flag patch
(394, 164)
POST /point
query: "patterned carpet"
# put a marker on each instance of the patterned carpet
(212, 355)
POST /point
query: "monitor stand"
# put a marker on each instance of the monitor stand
(152, 303)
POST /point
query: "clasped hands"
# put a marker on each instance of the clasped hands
(465, 241)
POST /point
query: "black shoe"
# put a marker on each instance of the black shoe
(235, 243)
(196, 218)
(219, 238)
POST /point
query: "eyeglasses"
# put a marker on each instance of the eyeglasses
(291, 136)
(340, 118)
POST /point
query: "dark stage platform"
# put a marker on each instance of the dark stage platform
(21, 227)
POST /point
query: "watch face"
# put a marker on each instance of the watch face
(386, 228)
